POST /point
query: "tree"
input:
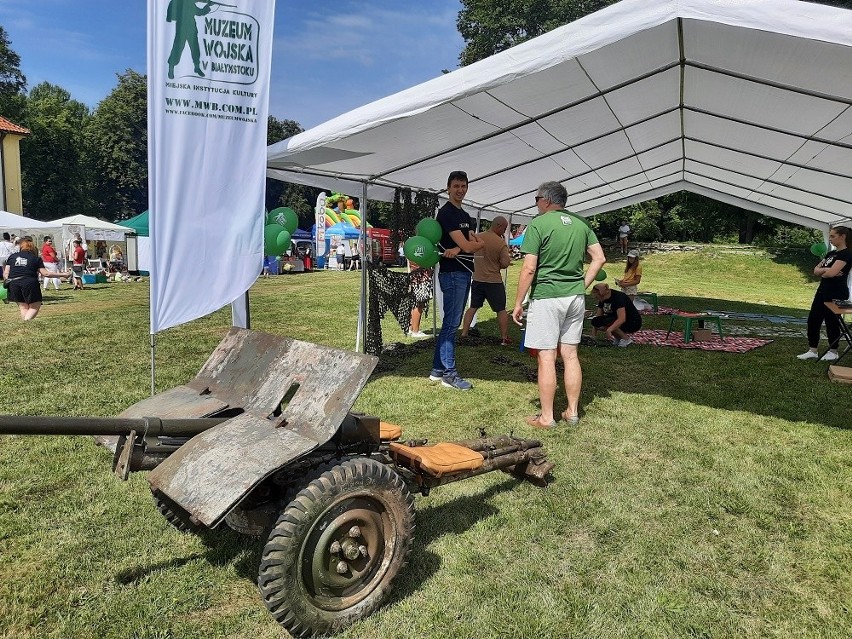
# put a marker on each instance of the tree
(12, 82)
(117, 141)
(54, 174)
(491, 26)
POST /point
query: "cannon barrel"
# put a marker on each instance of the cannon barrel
(146, 426)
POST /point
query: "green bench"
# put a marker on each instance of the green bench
(688, 318)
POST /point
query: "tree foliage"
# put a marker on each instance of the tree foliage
(12, 82)
(491, 26)
(117, 139)
(55, 176)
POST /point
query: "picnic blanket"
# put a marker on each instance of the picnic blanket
(728, 345)
(661, 310)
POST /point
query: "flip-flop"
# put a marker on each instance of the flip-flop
(570, 419)
(534, 421)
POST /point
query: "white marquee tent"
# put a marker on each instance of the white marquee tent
(20, 225)
(95, 229)
(745, 102)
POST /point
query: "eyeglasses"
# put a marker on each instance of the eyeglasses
(539, 197)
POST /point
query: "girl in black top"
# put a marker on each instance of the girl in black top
(833, 270)
(22, 270)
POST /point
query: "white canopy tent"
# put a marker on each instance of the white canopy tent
(745, 102)
(95, 228)
(20, 226)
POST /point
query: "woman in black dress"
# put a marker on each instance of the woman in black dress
(21, 273)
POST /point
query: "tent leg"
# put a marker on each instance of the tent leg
(365, 252)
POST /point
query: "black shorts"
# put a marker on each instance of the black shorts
(492, 291)
(26, 291)
(604, 321)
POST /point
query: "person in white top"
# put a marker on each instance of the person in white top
(6, 248)
(623, 236)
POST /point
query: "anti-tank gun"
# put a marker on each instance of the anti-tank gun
(264, 440)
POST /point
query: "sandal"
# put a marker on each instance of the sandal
(572, 420)
(535, 422)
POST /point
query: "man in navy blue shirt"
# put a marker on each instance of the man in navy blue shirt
(458, 244)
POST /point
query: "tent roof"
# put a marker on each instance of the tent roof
(14, 221)
(138, 223)
(90, 223)
(744, 102)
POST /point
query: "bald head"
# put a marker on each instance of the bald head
(499, 225)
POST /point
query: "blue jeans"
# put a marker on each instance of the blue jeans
(454, 288)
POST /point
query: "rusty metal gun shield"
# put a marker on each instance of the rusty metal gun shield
(294, 396)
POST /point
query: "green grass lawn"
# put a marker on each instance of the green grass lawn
(702, 495)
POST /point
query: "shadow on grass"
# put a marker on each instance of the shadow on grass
(225, 546)
(452, 518)
(137, 573)
(767, 381)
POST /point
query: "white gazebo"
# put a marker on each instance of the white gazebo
(745, 102)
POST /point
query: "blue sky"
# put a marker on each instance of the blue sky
(329, 56)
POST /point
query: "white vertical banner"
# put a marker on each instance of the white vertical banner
(208, 101)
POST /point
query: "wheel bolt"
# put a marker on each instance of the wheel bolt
(363, 550)
(342, 568)
(334, 548)
(354, 532)
(350, 549)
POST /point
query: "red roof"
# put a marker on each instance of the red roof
(10, 127)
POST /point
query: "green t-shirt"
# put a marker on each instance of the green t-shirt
(560, 239)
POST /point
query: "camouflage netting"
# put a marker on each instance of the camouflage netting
(388, 291)
(393, 291)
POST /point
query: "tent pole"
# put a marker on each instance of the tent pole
(509, 233)
(362, 316)
(434, 295)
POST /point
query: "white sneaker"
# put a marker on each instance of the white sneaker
(830, 356)
(417, 334)
(808, 355)
(627, 341)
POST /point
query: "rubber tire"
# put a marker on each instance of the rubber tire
(176, 515)
(359, 491)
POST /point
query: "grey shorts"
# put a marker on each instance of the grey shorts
(555, 321)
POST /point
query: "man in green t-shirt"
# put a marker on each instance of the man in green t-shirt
(555, 244)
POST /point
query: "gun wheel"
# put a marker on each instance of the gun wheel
(176, 515)
(336, 548)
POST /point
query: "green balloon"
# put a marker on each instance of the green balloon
(430, 229)
(429, 262)
(819, 249)
(283, 241)
(270, 238)
(601, 276)
(284, 216)
(420, 250)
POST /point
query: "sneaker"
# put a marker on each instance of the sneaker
(808, 355)
(456, 382)
(417, 334)
(627, 341)
(830, 356)
(506, 342)
(436, 375)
